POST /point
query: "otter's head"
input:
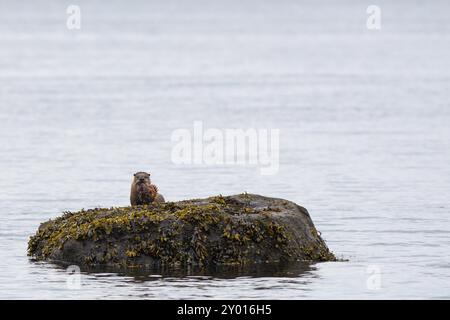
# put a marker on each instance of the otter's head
(141, 178)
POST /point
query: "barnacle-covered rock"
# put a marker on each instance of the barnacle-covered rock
(237, 229)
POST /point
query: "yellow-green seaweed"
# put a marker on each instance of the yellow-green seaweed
(237, 229)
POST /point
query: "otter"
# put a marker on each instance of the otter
(143, 191)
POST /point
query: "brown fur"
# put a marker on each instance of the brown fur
(143, 192)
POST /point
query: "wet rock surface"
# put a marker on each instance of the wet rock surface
(239, 229)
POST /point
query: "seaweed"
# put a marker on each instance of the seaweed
(216, 230)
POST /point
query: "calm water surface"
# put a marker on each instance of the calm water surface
(364, 134)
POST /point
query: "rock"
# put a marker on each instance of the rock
(239, 229)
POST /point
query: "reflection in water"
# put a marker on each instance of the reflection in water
(279, 270)
(258, 281)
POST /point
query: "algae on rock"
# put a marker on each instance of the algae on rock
(237, 229)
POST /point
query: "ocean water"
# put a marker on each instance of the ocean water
(364, 135)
